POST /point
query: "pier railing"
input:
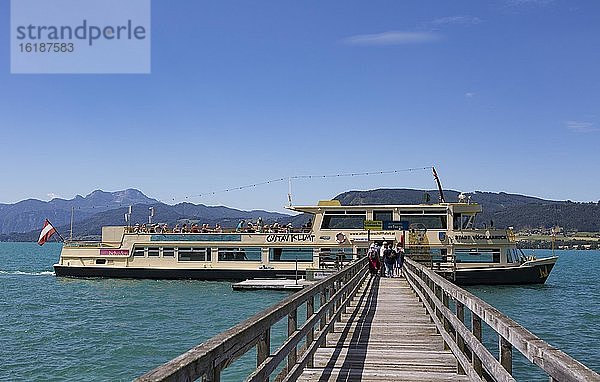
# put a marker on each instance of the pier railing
(325, 301)
(446, 303)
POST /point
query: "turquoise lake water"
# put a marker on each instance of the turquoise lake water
(108, 329)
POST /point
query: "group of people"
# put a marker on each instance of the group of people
(260, 227)
(385, 260)
(164, 228)
(243, 226)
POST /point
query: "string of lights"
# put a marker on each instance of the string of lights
(302, 177)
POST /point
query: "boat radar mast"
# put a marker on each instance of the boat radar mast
(439, 185)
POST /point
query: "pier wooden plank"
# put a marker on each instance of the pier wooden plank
(384, 335)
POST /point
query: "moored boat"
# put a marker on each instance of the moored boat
(442, 235)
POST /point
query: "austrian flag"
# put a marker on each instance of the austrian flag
(46, 233)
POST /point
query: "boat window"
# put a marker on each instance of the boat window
(384, 216)
(512, 256)
(331, 255)
(240, 254)
(423, 212)
(477, 255)
(457, 221)
(168, 252)
(508, 256)
(463, 221)
(344, 220)
(291, 254)
(429, 221)
(152, 251)
(100, 261)
(193, 254)
(438, 255)
(138, 251)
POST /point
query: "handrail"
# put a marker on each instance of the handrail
(208, 359)
(436, 293)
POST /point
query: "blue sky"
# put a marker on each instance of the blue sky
(499, 96)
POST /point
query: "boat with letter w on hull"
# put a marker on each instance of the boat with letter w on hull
(442, 235)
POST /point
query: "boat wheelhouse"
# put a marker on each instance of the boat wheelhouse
(442, 234)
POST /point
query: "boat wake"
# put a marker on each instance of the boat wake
(42, 273)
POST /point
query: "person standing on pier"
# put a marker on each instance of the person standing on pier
(389, 258)
(399, 260)
(374, 264)
(382, 258)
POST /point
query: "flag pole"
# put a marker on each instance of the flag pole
(58, 233)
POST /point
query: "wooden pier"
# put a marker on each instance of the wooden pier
(386, 335)
(363, 328)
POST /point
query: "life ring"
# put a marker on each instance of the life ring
(340, 237)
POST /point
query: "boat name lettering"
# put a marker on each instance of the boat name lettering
(480, 237)
(373, 233)
(289, 238)
(114, 252)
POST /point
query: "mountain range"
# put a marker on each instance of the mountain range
(22, 221)
(505, 210)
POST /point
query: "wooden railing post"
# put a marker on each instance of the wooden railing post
(332, 307)
(476, 327)
(505, 353)
(213, 375)
(263, 347)
(446, 302)
(322, 302)
(292, 327)
(339, 300)
(460, 314)
(310, 336)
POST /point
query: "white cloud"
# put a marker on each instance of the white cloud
(52, 195)
(393, 38)
(581, 126)
(469, 94)
(465, 20)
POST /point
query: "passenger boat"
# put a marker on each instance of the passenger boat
(441, 234)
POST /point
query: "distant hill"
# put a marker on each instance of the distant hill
(30, 214)
(504, 209)
(22, 221)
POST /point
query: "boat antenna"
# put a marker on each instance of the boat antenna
(150, 215)
(290, 191)
(439, 185)
(128, 217)
(71, 231)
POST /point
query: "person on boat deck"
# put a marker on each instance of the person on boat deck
(240, 226)
(218, 228)
(176, 229)
(250, 227)
(289, 228)
(195, 228)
